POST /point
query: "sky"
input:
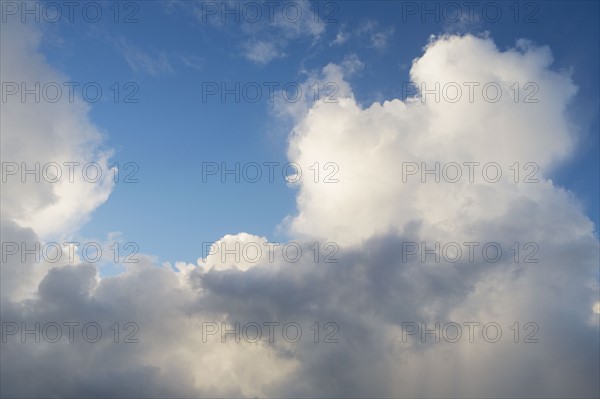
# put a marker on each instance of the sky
(275, 162)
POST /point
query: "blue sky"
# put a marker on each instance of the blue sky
(170, 51)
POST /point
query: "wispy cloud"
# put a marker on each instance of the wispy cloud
(266, 38)
(192, 61)
(379, 40)
(261, 51)
(341, 37)
(377, 35)
(144, 62)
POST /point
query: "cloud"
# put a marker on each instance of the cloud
(240, 251)
(378, 38)
(368, 294)
(352, 64)
(40, 132)
(193, 62)
(341, 38)
(143, 62)
(331, 87)
(370, 146)
(372, 289)
(262, 52)
(265, 31)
